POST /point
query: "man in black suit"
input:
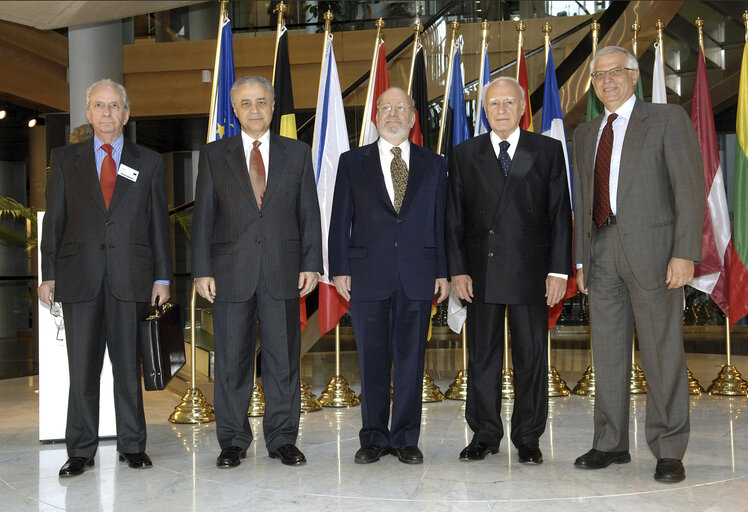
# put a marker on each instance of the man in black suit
(105, 256)
(508, 245)
(387, 258)
(257, 247)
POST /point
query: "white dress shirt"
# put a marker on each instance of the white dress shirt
(385, 158)
(619, 133)
(264, 149)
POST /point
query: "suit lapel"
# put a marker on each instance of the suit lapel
(277, 164)
(130, 156)
(487, 164)
(635, 133)
(238, 164)
(89, 179)
(524, 158)
(373, 170)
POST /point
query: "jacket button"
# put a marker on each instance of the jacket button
(260, 214)
(491, 232)
(257, 241)
(395, 244)
(399, 221)
(490, 255)
(108, 223)
(102, 246)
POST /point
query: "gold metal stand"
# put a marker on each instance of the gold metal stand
(586, 385)
(556, 385)
(194, 407)
(338, 393)
(458, 389)
(507, 374)
(309, 402)
(257, 402)
(430, 391)
(638, 383)
(694, 388)
(729, 381)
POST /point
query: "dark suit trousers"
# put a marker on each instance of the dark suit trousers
(90, 328)
(391, 332)
(528, 324)
(616, 300)
(280, 335)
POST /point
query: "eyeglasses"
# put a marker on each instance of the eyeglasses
(400, 108)
(612, 73)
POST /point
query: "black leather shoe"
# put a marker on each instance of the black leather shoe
(289, 455)
(529, 453)
(596, 459)
(75, 466)
(670, 470)
(136, 460)
(369, 453)
(409, 455)
(231, 457)
(477, 450)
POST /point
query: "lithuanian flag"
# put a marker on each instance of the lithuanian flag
(739, 261)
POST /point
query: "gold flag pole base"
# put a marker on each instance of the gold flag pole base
(586, 385)
(694, 388)
(309, 402)
(728, 383)
(458, 389)
(430, 391)
(194, 408)
(507, 383)
(257, 403)
(638, 384)
(556, 385)
(338, 394)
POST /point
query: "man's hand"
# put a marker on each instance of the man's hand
(679, 273)
(47, 293)
(555, 288)
(307, 282)
(343, 285)
(160, 293)
(580, 281)
(463, 286)
(441, 287)
(206, 288)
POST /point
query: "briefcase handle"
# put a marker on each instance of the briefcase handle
(156, 312)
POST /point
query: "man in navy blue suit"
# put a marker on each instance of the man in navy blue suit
(387, 257)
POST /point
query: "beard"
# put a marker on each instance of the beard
(397, 132)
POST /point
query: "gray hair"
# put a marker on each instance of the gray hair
(631, 61)
(395, 88)
(257, 80)
(509, 79)
(109, 83)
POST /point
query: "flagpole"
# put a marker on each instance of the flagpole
(328, 17)
(635, 27)
(370, 89)
(484, 49)
(659, 27)
(521, 27)
(547, 37)
(214, 87)
(417, 29)
(281, 9)
(445, 105)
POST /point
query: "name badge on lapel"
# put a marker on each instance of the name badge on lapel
(128, 172)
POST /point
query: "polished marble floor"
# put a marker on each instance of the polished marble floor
(184, 476)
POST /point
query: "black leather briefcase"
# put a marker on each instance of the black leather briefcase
(162, 345)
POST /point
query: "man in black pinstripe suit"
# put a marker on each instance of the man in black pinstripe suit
(257, 248)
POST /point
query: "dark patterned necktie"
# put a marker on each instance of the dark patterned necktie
(504, 160)
(601, 206)
(399, 171)
(108, 175)
(257, 172)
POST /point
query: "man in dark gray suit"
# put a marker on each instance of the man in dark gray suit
(105, 255)
(639, 213)
(257, 248)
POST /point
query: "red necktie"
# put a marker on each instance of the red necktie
(601, 207)
(108, 175)
(257, 172)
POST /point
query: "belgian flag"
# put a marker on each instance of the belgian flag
(284, 118)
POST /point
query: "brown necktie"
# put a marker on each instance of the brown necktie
(257, 172)
(601, 206)
(399, 171)
(108, 175)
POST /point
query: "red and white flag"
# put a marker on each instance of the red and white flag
(379, 81)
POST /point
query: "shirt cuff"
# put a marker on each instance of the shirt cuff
(562, 276)
(160, 281)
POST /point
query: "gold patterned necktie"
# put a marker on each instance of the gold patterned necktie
(399, 171)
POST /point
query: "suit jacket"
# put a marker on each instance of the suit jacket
(232, 239)
(375, 245)
(82, 241)
(508, 239)
(660, 201)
